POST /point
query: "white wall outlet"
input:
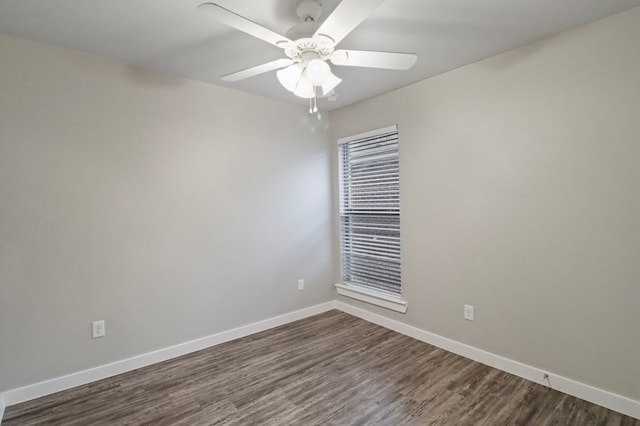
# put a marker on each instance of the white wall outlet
(300, 284)
(98, 329)
(468, 312)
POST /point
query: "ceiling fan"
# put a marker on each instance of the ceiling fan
(309, 45)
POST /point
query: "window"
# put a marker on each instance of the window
(369, 195)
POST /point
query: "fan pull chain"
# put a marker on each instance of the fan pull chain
(313, 102)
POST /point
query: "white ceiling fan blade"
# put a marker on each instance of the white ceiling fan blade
(259, 69)
(245, 25)
(384, 60)
(346, 17)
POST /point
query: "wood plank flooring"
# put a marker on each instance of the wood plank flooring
(331, 369)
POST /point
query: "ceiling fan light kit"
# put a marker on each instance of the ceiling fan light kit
(309, 46)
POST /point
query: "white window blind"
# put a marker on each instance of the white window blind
(370, 209)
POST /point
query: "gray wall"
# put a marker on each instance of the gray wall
(520, 192)
(170, 208)
(175, 209)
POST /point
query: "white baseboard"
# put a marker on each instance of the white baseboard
(589, 393)
(29, 392)
(1, 406)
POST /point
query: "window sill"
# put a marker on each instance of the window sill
(377, 298)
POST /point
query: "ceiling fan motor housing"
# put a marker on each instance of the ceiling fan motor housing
(302, 30)
(307, 48)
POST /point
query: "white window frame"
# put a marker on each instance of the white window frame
(366, 290)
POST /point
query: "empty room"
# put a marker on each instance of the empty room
(320, 212)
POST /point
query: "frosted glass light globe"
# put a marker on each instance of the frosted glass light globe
(289, 76)
(317, 71)
(304, 89)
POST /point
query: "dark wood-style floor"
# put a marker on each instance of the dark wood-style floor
(331, 369)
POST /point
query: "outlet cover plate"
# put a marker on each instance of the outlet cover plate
(98, 329)
(468, 312)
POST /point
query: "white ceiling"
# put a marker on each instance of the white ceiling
(175, 38)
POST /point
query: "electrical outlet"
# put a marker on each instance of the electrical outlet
(98, 329)
(300, 284)
(468, 312)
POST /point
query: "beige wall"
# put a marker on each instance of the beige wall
(520, 192)
(170, 208)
